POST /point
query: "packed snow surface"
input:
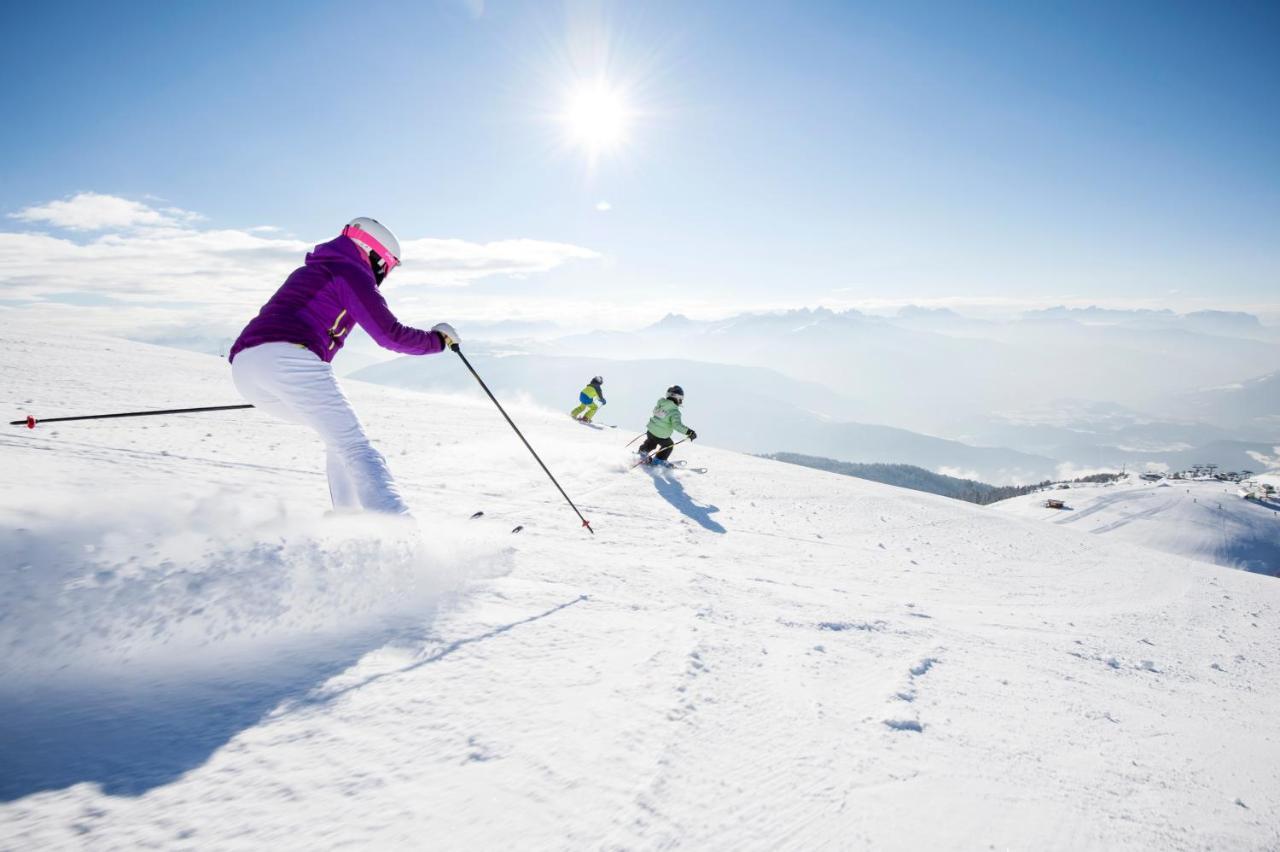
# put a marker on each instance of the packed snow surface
(1201, 519)
(761, 656)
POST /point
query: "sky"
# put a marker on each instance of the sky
(171, 162)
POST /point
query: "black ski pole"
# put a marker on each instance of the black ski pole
(456, 348)
(31, 421)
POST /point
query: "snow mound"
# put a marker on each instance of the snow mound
(1204, 520)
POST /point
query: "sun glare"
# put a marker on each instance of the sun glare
(596, 117)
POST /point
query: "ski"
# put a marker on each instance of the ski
(591, 424)
(676, 465)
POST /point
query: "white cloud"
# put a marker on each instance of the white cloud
(1268, 462)
(458, 262)
(91, 211)
(959, 473)
(155, 270)
(1070, 470)
(145, 266)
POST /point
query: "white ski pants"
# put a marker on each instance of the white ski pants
(290, 382)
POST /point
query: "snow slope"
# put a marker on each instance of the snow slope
(1205, 520)
(764, 656)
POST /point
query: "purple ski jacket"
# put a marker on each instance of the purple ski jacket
(319, 303)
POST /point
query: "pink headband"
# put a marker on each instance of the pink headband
(355, 233)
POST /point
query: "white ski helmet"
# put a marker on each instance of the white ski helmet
(376, 239)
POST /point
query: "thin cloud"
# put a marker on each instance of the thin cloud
(92, 211)
(1268, 462)
(459, 262)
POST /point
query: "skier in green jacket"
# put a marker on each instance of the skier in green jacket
(664, 422)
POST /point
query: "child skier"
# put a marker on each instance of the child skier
(588, 399)
(665, 421)
(281, 361)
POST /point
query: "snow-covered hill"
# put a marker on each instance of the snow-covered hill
(762, 656)
(1202, 519)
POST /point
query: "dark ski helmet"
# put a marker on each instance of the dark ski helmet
(675, 393)
(597, 380)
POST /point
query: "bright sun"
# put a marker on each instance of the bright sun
(596, 117)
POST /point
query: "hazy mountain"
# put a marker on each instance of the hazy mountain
(1219, 323)
(1253, 405)
(744, 408)
(1061, 427)
(937, 372)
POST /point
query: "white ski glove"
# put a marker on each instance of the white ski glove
(447, 332)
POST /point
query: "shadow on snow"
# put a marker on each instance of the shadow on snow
(673, 492)
(133, 735)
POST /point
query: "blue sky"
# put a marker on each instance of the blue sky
(778, 154)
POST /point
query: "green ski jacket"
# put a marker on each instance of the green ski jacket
(666, 419)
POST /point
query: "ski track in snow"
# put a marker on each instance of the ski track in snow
(761, 657)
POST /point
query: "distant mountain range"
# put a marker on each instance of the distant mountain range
(751, 409)
(759, 410)
(938, 372)
(1055, 392)
(1224, 323)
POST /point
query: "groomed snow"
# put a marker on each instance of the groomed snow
(1199, 519)
(764, 656)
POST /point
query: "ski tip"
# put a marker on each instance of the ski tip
(517, 529)
(477, 515)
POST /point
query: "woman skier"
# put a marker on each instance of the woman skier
(665, 421)
(281, 361)
(588, 397)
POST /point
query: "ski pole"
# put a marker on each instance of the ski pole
(636, 438)
(456, 348)
(31, 421)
